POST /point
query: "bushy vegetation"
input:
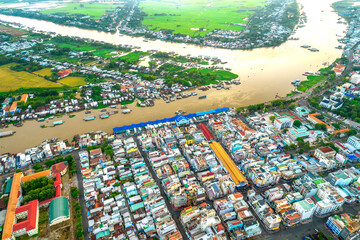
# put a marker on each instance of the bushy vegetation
(41, 188)
(350, 109)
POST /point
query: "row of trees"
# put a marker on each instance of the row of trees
(280, 104)
(41, 194)
(78, 217)
(36, 183)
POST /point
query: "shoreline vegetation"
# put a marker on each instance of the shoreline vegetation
(252, 24)
(85, 74)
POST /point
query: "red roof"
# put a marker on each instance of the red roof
(326, 149)
(30, 222)
(58, 180)
(58, 191)
(58, 168)
(65, 72)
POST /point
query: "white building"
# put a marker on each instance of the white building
(305, 208)
(354, 141)
(283, 122)
(355, 79)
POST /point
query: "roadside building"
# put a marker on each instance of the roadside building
(354, 141)
(305, 208)
(283, 122)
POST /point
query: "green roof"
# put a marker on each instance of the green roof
(340, 175)
(8, 186)
(58, 207)
(136, 206)
(102, 234)
(305, 205)
(318, 181)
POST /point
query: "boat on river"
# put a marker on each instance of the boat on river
(58, 123)
(89, 118)
(5, 134)
(313, 49)
(104, 116)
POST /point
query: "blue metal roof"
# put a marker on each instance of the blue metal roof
(191, 115)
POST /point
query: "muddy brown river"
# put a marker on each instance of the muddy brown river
(263, 73)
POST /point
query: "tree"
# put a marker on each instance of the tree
(5, 200)
(18, 170)
(297, 123)
(291, 106)
(69, 158)
(79, 224)
(79, 232)
(59, 159)
(49, 163)
(38, 167)
(320, 126)
(77, 207)
(74, 192)
(272, 118)
(351, 132)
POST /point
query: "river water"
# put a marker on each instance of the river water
(263, 72)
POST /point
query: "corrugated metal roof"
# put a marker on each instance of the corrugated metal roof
(58, 207)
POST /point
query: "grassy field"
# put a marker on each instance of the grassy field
(133, 57)
(100, 52)
(44, 72)
(94, 10)
(12, 80)
(311, 81)
(187, 16)
(73, 81)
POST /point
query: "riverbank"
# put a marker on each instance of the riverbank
(264, 73)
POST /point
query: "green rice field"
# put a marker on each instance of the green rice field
(94, 10)
(198, 17)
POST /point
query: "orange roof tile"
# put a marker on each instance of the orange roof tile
(23, 98)
(36, 175)
(313, 116)
(13, 106)
(11, 208)
(342, 130)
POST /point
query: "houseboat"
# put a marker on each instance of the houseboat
(113, 112)
(295, 82)
(103, 116)
(58, 123)
(5, 134)
(89, 118)
(313, 49)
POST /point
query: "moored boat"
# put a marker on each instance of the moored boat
(89, 118)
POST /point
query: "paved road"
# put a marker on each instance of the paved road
(81, 195)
